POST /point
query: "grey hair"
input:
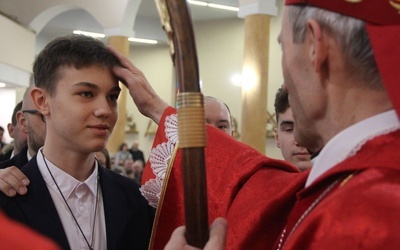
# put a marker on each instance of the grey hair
(351, 35)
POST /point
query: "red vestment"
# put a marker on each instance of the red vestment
(244, 186)
(14, 235)
(362, 211)
(256, 194)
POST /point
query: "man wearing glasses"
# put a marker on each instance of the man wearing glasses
(30, 121)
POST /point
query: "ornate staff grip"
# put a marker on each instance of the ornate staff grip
(177, 23)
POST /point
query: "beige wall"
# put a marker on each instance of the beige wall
(220, 54)
(17, 52)
(275, 78)
(17, 45)
(156, 64)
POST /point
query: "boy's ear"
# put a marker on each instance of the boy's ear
(40, 99)
(277, 142)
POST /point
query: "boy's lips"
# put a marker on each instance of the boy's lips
(100, 129)
(302, 155)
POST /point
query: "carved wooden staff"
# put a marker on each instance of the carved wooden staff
(177, 23)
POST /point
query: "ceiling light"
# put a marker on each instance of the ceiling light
(2, 85)
(200, 3)
(223, 7)
(99, 35)
(141, 40)
(86, 33)
(213, 5)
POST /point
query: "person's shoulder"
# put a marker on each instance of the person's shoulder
(18, 160)
(7, 203)
(2, 156)
(6, 156)
(6, 163)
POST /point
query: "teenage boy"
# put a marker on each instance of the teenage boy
(71, 199)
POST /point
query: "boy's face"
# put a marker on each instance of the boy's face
(83, 109)
(284, 138)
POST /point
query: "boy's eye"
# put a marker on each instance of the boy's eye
(113, 97)
(287, 128)
(86, 94)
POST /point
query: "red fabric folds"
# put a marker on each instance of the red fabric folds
(257, 195)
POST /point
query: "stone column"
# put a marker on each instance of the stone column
(256, 14)
(120, 43)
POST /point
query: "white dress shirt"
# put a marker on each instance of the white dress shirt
(349, 141)
(81, 198)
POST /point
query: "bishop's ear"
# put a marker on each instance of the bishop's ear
(318, 44)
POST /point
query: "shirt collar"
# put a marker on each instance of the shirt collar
(66, 182)
(28, 156)
(349, 141)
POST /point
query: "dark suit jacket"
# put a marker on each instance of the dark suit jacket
(6, 156)
(128, 217)
(18, 160)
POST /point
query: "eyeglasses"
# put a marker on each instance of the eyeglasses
(30, 111)
(33, 112)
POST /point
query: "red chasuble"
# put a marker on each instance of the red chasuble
(362, 209)
(244, 186)
(356, 205)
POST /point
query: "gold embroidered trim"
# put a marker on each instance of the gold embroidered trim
(395, 4)
(346, 180)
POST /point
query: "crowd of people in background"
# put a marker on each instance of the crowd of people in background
(129, 162)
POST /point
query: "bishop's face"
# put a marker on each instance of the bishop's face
(305, 96)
